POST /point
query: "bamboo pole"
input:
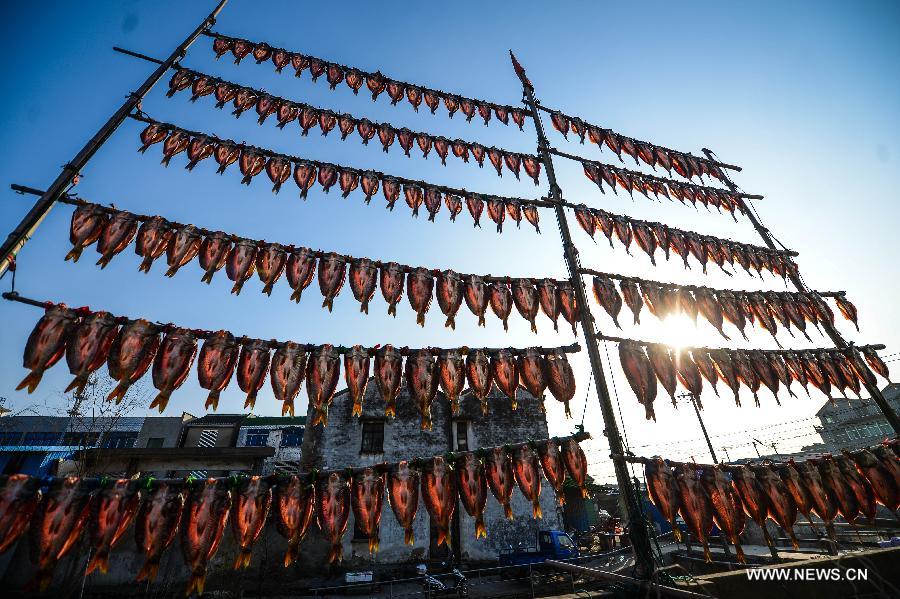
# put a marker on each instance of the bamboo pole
(830, 329)
(29, 224)
(637, 527)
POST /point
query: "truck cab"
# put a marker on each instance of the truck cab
(551, 544)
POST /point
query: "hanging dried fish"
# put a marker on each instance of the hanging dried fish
(639, 373)
(287, 374)
(388, 377)
(607, 296)
(452, 376)
(479, 376)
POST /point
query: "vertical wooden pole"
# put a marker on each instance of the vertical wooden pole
(26, 228)
(832, 332)
(637, 527)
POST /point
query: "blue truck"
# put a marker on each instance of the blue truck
(551, 544)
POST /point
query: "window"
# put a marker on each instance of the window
(43, 439)
(372, 436)
(208, 438)
(7, 439)
(257, 437)
(74, 439)
(460, 435)
(292, 437)
(155, 442)
(119, 440)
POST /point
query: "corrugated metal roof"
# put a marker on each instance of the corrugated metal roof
(278, 421)
(216, 420)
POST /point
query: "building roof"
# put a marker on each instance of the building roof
(216, 420)
(277, 421)
(840, 404)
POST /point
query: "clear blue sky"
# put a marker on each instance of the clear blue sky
(803, 95)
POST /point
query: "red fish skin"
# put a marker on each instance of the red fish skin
(525, 298)
(821, 501)
(475, 206)
(156, 525)
(527, 471)
(501, 301)
(567, 303)
(533, 373)
(19, 498)
(422, 378)
(172, 364)
(795, 487)
(498, 469)
(390, 187)
(304, 177)
(403, 495)
(250, 507)
(452, 376)
(294, 505)
(576, 464)
(175, 143)
(206, 514)
(271, 260)
(279, 170)
(152, 134)
(607, 296)
(116, 236)
(391, 281)
(300, 270)
(333, 510)
(695, 506)
(215, 365)
(553, 467)
(664, 367)
(288, 369)
(369, 183)
(367, 499)
(879, 476)
(241, 263)
(858, 484)
(252, 368)
(88, 222)
(497, 211)
(663, 491)
(505, 373)
(331, 277)
(689, 374)
(113, 510)
(548, 300)
(632, 298)
(57, 526)
(322, 372)
(888, 459)
(183, 247)
(753, 498)
(472, 485)
(477, 296)
(479, 377)
(131, 354)
(532, 216)
(560, 378)
(356, 374)
(432, 200)
(439, 493)
(781, 506)
(88, 347)
(707, 368)
(388, 377)
(226, 155)
(47, 344)
(419, 288)
(639, 372)
(449, 295)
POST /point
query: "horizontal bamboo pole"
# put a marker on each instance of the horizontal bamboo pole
(875, 346)
(204, 334)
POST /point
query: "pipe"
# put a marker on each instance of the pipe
(876, 346)
(649, 586)
(70, 172)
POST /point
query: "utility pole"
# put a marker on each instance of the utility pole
(631, 501)
(727, 457)
(71, 171)
(693, 399)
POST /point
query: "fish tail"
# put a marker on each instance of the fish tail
(584, 493)
(426, 422)
(357, 408)
(560, 499)
(756, 399)
(533, 327)
(160, 401)
(676, 532)
(481, 321)
(172, 270)
(373, 545)
(480, 528)
(78, 384)
(142, 149)
(221, 169)
(250, 402)
(296, 295)
(450, 323)
(103, 261)
(328, 303)
(741, 558)
(243, 559)
(442, 537)
(119, 392)
(148, 571)
(513, 404)
(212, 401)
(390, 409)
(196, 583)
(292, 553)
(507, 511)
(146, 264)
(165, 160)
(31, 381)
(484, 407)
(568, 411)
(794, 542)
(420, 319)
(267, 289)
(100, 560)
(236, 290)
(287, 408)
(409, 536)
(454, 406)
(707, 555)
(505, 325)
(364, 307)
(392, 310)
(336, 555)
(536, 512)
(75, 253)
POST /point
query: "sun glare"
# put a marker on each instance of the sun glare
(678, 331)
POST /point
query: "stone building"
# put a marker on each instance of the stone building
(283, 433)
(373, 439)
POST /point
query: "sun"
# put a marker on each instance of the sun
(678, 331)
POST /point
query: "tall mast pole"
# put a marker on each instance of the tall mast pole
(830, 329)
(637, 528)
(26, 228)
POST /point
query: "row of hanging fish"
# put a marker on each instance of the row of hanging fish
(375, 82)
(287, 111)
(632, 181)
(768, 309)
(113, 230)
(685, 164)
(88, 339)
(56, 517)
(850, 484)
(281, 167)
(646, 363)
(650, 236)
